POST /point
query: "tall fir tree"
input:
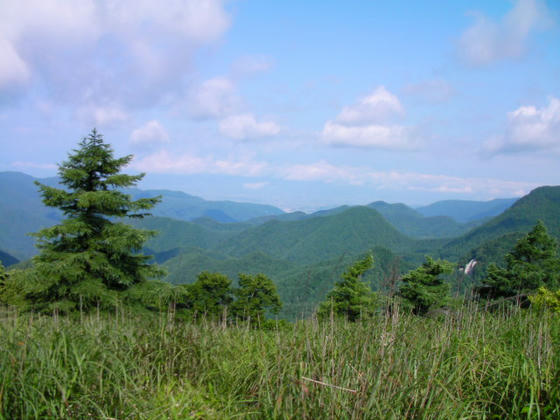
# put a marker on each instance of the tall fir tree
(91, 256)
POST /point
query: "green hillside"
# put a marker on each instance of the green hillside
(353, 231)
(416, 225)
(542, 203)
(464, 211)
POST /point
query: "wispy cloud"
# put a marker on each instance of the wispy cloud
(213, 98)
(151, 133)
(325, 172)
(246, 126)
(185, 163)
(487, 41)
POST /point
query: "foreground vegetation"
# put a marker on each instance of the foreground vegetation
(468, 364)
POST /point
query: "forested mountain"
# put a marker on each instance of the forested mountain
(350, 232)
(465, 211)
(543, 203)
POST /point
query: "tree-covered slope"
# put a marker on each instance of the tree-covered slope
(465, 210)
(352, 231)
(543, 203)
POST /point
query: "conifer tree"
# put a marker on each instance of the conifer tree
(91, 256)
(350, 297)
(423, 288)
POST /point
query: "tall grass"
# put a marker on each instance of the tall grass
(467, 365)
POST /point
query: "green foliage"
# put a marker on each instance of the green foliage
(533, 263)
(255, 296)
(89, 258)
(351, 297)
(424, 288)
(546, 299)
(210, 294)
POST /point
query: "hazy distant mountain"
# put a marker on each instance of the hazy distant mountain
(183, 206)
(414, 224)
(6, 259)
(467, 211)
(22, 212)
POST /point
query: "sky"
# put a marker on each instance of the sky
(299, 104)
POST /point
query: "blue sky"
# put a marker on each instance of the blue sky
(297, 104)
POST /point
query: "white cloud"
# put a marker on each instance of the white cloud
(13, 70)
(150, 133)
(102, 116)
(379, 106)
(110, 51)
(529, 129)
(214, 98)
(164, 162)
(388, 137)
(369, 123)
(245, 126)
(488, 41)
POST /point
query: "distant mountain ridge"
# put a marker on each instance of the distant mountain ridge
(6, 259)
(465, 211)
(23, 211)
(183, 206)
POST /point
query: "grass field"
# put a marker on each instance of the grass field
(123, 366)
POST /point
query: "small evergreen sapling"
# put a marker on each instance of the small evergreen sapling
(350, 297)
(423, 288)
(91, 256)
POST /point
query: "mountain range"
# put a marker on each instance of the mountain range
(303, 253)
